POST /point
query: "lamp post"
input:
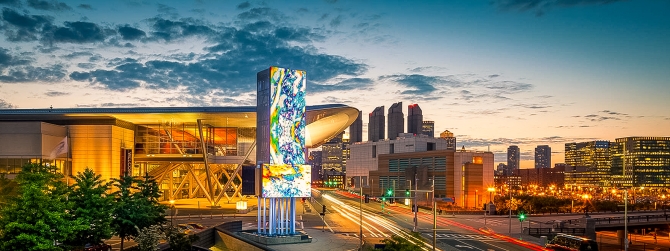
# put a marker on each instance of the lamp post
(586, 205)
(360, 210)
(488, 205)
(476, 202)
(172, 212)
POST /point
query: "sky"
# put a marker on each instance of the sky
(493, 72)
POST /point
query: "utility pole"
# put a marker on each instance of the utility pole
(509, 184)
(360, 208)
(434, 216)
(625, 220)
(415, 207)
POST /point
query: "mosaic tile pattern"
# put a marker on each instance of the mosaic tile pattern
(287, 116)
(280, 181)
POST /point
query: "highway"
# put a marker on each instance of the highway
(343, 214)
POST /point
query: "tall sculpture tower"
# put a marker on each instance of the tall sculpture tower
(281, 154)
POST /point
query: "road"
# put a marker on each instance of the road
(343, 214)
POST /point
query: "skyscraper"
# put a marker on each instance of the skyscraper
(513, 158)
(356, 129)
(414, 119)
(543, 156)
(396, 121)
(428, 128)
(376, 124)
(331, 154)
(641, 161)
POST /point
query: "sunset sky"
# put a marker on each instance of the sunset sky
(494, 72)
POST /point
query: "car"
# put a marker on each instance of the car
(187, 229)
(197, 226)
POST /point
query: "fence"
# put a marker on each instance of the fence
(632, 219)
(537, 232)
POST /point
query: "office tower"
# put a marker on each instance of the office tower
(414, 119)
(331, 154)
(376, 124)
(543, 156)
(449, 137)
(594, 157)
(315, 161)
(356, 129)
(513, 158)
(396, 121)
(642, 161)
(428, 128)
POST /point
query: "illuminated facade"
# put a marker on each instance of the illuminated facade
(543, 156)
(595, 157)
(428, 128)
(513, 158)
(641, 161)
(172, 144)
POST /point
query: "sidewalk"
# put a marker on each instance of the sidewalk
(322, 241)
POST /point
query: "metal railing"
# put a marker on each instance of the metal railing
(632, 219)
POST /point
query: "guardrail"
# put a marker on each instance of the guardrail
(632, 219)
(537, 232)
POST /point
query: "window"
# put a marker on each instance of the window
(430, 147)
(374, 151)
(391, 148)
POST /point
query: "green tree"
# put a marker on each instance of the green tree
(8, 189)
(179, 241)
(38, 218)
(136, 206)
(399, 243)
(93, 206)
(148, 238)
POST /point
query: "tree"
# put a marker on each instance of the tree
(93, 206)
(8, 189)
(136, 206)
(148, 238)
(38, 218)
(399, 243)
(179, 241)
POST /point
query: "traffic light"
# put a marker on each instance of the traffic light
(367, 199)
(324, 208)
(407, 192)
(522, 216)
(389, 192)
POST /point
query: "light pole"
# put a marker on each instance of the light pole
(172, 212)
(476, 199)
(488, 205)
(586, 205)
(625, 220)
(510, 206)
(360, 209)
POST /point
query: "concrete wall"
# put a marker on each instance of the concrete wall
(29, 139)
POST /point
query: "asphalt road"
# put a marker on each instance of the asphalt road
(343, 217)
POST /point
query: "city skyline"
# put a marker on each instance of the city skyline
(495, 73)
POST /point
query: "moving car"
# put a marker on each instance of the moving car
(571, 242)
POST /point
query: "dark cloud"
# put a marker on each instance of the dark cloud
(243, 5)
(130, 33)
(428, 69)
(48, 5)
(119, 105)
(534, 106)
(7, 60)
(260, 13)
(330, 1)
(23, 74)
(24, 27)
(78, 32)
(56, 93)
(613, 113)
(508, 87)
(542, 6)
(5, 105)
(344, 85)
(170, 30)
(77, 54)
(85, 6)
(86, 65)
(416, 84)
(494, 76)
(10, 2)
(336, 22)
(230, 64)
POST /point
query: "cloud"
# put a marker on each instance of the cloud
(54, 73)
(542, 6)
(336, 22)
(85, 6)
(48, 5)
(78, 32)
(24, 27)
(56, 93)
(169, 30)
(243, 5)
(344, 85)
(424, 69)
(613, 113)
(130, 33)
(7, 60)
(416, 84)
(5, 105)
(10, 2)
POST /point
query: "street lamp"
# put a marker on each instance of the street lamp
(586, 205)
(488, 205)
(172, 212)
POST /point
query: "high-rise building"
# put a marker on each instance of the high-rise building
(543, 156)
(414, 119)
(356, 129)
(513, 158)
(376, 124)
(396, 121)
(451, 140)
(331, 155)
(315, 161)
(428, 128)
(641, 161)
(595, 158)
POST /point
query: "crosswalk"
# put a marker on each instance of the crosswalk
(492, 222)
(461, 236)
(373, 235)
